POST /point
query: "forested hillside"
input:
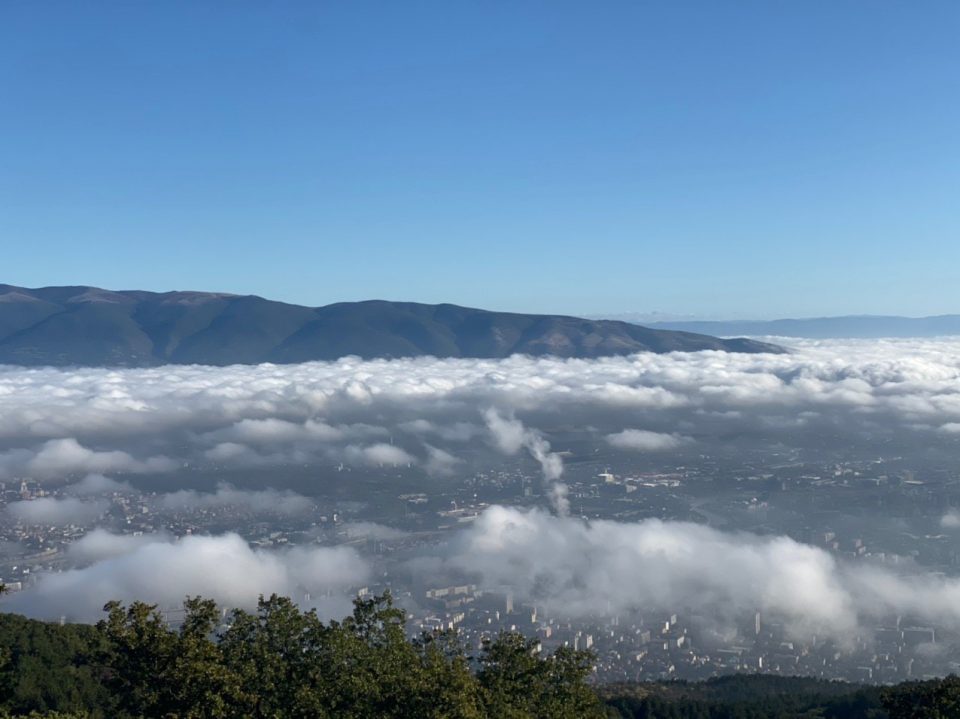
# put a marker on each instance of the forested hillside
(88, 326)
(282, 662)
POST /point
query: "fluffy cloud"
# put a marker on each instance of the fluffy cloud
(63, 457)
(582, 569)
(641, 440)
(98, 484)
(379, 454)
(508, 433)
(272, 430)
(99, 544)
(440, 463)
(950, 520)
(57, 421)
(164, 571)
(432, 414)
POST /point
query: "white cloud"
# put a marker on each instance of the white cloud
(440, 463)
(160, 571)
(641, 440)
(63, 457)
(272, 430)
(509, 434)
(582, 569)
(950, 520)
(150, 420)
(379, 454)
(98, 484)
(56, 422)
(99, 544)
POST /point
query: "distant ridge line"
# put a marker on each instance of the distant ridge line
(91, 326)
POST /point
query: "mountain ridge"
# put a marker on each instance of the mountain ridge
(90, 326)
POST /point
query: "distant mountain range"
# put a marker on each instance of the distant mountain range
(852, 326)
(89, 326)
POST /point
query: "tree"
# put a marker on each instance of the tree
(275, 653)
(202, 685)
(374, 671)
(156, 672)
(447, 686)
(517, 683)
(936, 699)
(48, 667)
(280, 662)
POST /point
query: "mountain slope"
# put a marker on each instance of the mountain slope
(94, 327)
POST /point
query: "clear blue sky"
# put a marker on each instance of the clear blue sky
(714, 158)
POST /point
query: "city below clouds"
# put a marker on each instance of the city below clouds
(100, 431)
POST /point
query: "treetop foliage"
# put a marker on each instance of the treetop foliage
(280, 662)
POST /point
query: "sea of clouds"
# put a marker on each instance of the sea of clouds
(101, 429)
(60, 422)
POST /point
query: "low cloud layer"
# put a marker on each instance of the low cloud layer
(164, 571)
(98, 484)
(434, 416)
(575, 568)
(59, 457)
(56, 423)
(581, 569)
(99, 544)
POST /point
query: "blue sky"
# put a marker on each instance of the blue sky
(716, 159)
